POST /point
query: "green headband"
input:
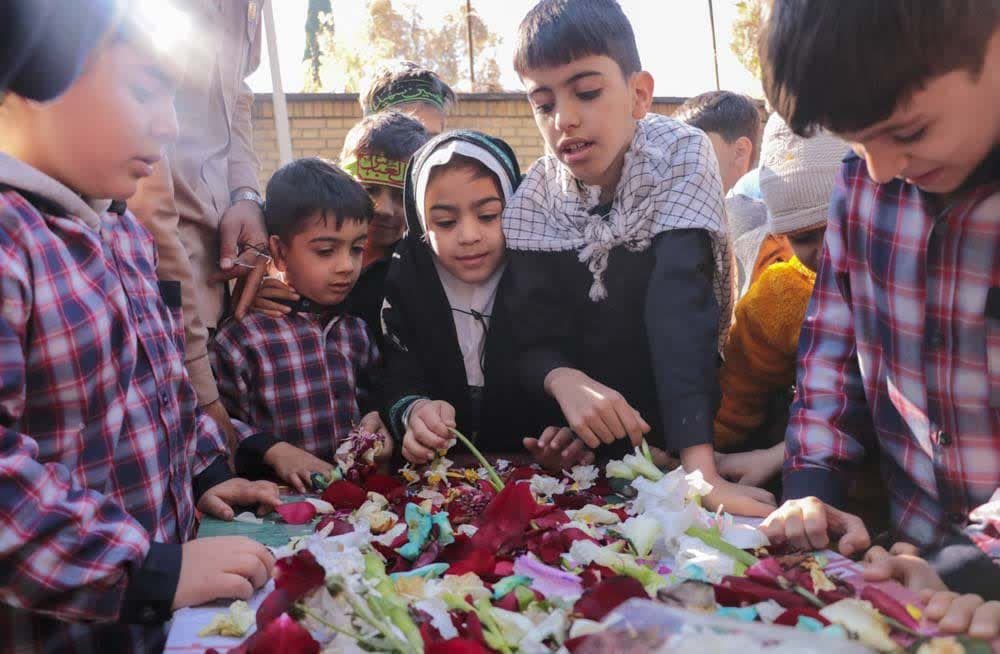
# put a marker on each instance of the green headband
(376, 169)
(405, 91)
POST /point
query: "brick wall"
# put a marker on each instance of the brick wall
(320, 121)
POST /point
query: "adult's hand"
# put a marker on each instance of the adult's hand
(243, 251)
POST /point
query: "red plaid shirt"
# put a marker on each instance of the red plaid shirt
(300, 378)
(99, 433)
(897, 352)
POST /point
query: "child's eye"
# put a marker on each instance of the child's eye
(912, 137)
(324, 253)
(543, 108)
(489, 217)
(589, 95)
(141, 94)
(358, 249)
(444, 224)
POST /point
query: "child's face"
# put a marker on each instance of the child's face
(734, 158)
(463, 210)
(937, 138)
(322, 262)
(586, 111)
(807, 244)
(389, 221)
(106, 132)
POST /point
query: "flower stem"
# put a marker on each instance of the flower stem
(494, 477)
(711, 538)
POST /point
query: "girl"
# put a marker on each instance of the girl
(449, 348)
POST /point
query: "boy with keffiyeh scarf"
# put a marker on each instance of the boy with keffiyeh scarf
(620, 272)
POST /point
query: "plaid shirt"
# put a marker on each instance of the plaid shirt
(98, 426)
(896, 351)
(299, 378)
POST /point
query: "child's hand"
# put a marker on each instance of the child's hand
(372, 423)
(274, 289)
(224, 567)
(427, 431)
(808, 523)
(595, 413)
(908, 569)
(754, 468)
(559, 449)
(738, 500)
(963, 614)
(218, 501)
(295, 466)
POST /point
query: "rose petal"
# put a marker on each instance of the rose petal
(547, 580)
(296, 513)
(298, 575)
(389, 487)
(504, 521)
(737, 591)
(578, 500)
(340, 526)
(888, 606)
(607, 596)
(281, 635)
(345, 495)
(790, 617)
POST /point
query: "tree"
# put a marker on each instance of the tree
(398, 31)
(746, 33)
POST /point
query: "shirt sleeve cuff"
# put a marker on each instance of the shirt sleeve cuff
(964, 568)
(825, 485)
(250, 455)
(690, 423)
(216, 473)
(199, 370)
(149, 596)
(536, 366)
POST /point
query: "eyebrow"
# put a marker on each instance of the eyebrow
(475, 205)
(326, 239)
(871, 133)
(572, 80)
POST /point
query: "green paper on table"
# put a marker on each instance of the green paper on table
(272, 532)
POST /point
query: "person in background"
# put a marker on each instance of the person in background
(732, 122)
(412, 89)
(203, 203)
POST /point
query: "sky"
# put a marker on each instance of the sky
(674, 39)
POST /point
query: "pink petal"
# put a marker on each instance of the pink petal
(297, 513)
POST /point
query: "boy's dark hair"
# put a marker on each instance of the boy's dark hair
(730, 115)
(389, 134)
(392, 77)
(847, 65)
(299, 190)
(556, 32)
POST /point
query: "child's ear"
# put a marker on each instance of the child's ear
(744, 150)
(278, 252)
(642, 94)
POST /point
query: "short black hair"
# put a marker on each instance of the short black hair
(388, 134)
(393, 73)
(847, 65)
(730, 115)
(557, 32)
(305, 187)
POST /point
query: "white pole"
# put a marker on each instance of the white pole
(277, 93)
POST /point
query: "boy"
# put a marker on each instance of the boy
(375, 153)
(302, 377)
(732, 122)
(619, 277)
(413, 90)
(103, 452)
(900, 348)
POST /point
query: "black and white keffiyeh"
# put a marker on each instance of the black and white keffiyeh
(669, 180)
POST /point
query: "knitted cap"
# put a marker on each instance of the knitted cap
(797, 175)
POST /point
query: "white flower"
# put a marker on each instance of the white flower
(697, 486)
(860, 618)
(693, 552)
(547, 625)
(374, 514)
(585, 552)
(673, 523)
(233, 623)
(583, 476)
(543, 486)
(463, 585)
(641, 465)
(584, 627)
(669, 492)
(389, 537)
(618, 470)
(769, 611)
(321, 505)
(594, 515)
(436, 498)
(438, 610)
(513, 626)
(249, 518)
(582, 526)
(642, 532)
(742, 535)
(467, 530)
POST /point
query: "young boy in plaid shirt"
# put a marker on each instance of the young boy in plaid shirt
(103, 452)
(900, 349)
(295, 383)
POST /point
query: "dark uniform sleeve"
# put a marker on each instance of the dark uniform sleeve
(964, 568)
(405, 380)
(682, 324)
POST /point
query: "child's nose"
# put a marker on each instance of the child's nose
(567, 117)
(884, 161)
(165, 128)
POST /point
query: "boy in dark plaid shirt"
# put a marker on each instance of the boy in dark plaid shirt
(900, 349)
(296, 384)
(103, 451)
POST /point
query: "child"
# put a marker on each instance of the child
(796, 179)
(302, 378)
(449, 341)
(620, 279)
(732, 122)
(413, 90)
(899, 350)
(375, 153)
(104, 455)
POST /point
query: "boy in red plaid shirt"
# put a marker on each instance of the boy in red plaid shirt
(103, 452)
(900, 349)
(297, 383)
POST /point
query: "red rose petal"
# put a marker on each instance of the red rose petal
(790, 617)
(520, 473)
(296, 513)
(391, 488)
(738, 591)
(550, 520)
(887, 605)
(575, 501)
(281, 636)
(503, 568)
(298, 575)
(608, 595)
(340, 526)
(766, 571)
(274, 605)
(345, 495)
(456, 646)
(509, 603)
